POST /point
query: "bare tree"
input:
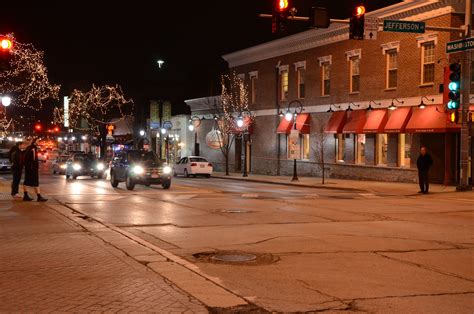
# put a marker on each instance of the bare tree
(99, 106)
(320, 138)
(26, 79)
(232, 107)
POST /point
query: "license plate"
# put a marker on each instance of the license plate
(202, 166)
(155, 176)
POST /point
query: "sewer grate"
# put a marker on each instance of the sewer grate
(239, 258)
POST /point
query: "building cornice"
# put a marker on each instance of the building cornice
(412, 10)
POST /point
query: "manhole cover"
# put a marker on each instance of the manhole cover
(223, 257)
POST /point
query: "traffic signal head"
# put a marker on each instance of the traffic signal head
(454, 86)
(282, 5)
(280, 10)
(357, 23)
(6, 44)
(38, 127)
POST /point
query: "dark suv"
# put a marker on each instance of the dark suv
(139, 167)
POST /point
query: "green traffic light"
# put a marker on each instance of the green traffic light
(453, 86)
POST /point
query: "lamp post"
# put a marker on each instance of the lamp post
(292, 113)
(244, 126)
(194, 123)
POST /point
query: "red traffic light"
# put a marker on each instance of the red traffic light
(6, 43)
(38, 127)
(282, 5)
(56, 129)
(359, 11)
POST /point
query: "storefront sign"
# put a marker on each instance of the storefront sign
(403, 26)
(166, 111)
(154, 116)
(215, 139)
(294, 149)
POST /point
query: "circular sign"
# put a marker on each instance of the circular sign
(215, 139)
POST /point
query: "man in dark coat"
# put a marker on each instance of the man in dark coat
(17, 167)
(32, 172)
(424, 163)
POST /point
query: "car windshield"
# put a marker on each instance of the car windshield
(83, 157)
(198, 159)
(148, 158)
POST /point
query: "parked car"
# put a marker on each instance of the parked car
(84, 165)
(5, 164)
(139, 167)
(42, 155)
(59, 164)
(193, 166)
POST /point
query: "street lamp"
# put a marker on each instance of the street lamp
(244, 128)
(370, 108)
(240, 122)
(160, 63)
(350, 108)
(392, 105)
(6, 101)
(293, 114)
(142, 133)
(163, 131)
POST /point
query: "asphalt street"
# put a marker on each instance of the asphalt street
(309, 249)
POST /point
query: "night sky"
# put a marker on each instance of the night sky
(108, 42)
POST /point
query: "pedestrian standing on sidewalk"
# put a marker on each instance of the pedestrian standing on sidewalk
(17, 167)
(32, 173)
(424, 163)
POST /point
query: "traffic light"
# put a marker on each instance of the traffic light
(6, 46)
(38, 127)
(56, 129)
(454, 117)
(356, 25)
(454, 86)
(281, 9)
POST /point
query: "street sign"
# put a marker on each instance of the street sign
(403, 26)
(371, 27)
(460, 45)
(167, 125)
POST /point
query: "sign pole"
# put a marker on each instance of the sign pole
(466, 88)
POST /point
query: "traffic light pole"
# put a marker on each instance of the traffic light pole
(465, 102)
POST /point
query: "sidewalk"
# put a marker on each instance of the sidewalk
(49, 263)
(376, 187)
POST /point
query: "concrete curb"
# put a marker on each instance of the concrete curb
(287, 183)
(185, 275)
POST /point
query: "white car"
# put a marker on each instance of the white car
(193, 166)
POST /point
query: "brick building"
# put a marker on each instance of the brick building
(338, 81)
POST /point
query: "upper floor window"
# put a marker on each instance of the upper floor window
(301, 81)
(326, 79)
(427, 62)
(355, 77)
(284, 84)
(392, 67)
(253, 87)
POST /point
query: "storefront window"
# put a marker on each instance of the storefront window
(305, 148)
(360, 149)
(404, 150)
(340, 148)
(382, 146)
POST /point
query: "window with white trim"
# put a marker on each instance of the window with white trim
(360, 149)
(301, 71)
(284, 84)
(326, 79)
(427, 62)
(305, 147)
(253, 88)
(340, 148)
(404, 149)
(392, 68)
(355, 77)
(381, 146)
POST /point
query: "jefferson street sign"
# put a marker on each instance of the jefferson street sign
(460, 45)
(403, 26)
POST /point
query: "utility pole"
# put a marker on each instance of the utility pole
(465, 102)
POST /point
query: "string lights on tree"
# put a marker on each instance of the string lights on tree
(26, 78)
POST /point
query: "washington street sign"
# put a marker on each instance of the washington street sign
(460, 45)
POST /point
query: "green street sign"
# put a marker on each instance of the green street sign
(460, 45)
(403, 26)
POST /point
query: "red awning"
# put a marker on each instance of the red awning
(285, 126)
(303, 123)
(355, 122)
(430, 120)
(398, 120)
(376, 120)
(336, 122)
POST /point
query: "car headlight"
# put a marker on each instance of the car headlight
(167, 170)
(62, 166)
(138, 170)
(76, 167)
(100, 166)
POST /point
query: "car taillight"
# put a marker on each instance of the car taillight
(194, 164)
(209, 165)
